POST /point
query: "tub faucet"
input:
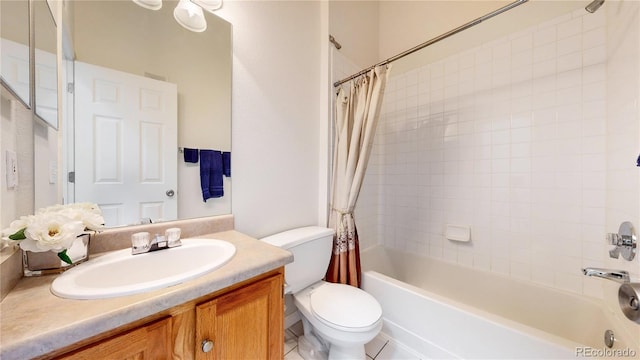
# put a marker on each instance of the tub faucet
(620, 276)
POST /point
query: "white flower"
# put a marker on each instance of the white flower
(86, 206)
(50, 209)
(54, 228)
(51, 231)
(89, 214)
(17, 225)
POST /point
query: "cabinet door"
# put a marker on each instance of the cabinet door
(244, 324)
(150, 341)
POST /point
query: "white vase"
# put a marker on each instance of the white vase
(45, 263)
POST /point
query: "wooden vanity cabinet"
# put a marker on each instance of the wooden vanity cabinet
(152, 341)
(243, 324)
(245, 321)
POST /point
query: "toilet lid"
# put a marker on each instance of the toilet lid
(345, 306)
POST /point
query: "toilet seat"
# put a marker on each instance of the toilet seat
(345, 307)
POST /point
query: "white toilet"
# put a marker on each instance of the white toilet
(344, 318)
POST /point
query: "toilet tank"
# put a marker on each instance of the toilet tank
(311, 247)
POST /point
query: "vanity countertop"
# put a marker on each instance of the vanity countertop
(34, 322)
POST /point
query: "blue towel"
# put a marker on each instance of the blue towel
(190, 155)
(211, 174)
(226, 163)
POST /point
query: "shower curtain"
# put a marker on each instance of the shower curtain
(356, 117)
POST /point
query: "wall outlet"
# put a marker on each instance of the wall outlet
(11, 160)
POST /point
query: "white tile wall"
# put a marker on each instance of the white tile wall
(16, 136)
(622, 132)
(511, 138)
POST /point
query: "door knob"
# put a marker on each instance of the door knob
(207, 345)
(170, 193)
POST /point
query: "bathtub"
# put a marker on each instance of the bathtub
(441, 310)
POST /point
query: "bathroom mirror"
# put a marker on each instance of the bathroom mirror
(129, 64)
(14, 47)
(45, 102)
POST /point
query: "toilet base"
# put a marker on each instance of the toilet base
(336, 352)
(310, 348)
(343, 353)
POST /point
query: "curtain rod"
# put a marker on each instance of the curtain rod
(434, 40)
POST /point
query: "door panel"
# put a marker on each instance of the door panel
(244, 324)
(149, 342)
(126, 144)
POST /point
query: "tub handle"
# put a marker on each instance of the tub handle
(629, 300)
(625, 242)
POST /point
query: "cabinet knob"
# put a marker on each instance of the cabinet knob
(207, 345)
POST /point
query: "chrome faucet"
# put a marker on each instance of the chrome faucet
(620, 276)
(142, 243)
(156, 243)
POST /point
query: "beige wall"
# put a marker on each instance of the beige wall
(14, 21)
(354, 24)
(405, 24)
(280, 97)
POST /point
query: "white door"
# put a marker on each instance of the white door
(126, 144)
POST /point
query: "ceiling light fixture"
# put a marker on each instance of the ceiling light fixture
(190, 16)
(149, 4)
(188, 13)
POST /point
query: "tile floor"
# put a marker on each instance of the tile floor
(380, 348)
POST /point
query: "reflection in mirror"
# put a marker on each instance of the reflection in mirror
(144, 89)
(45, 58)
(14, 47)
(16, 146)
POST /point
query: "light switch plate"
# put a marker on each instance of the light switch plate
(11, 161)
(53, 172)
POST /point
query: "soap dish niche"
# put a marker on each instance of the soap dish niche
(455, 232)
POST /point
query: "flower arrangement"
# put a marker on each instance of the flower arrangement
(55, 228)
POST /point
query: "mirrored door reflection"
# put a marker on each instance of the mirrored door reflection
(45, 58)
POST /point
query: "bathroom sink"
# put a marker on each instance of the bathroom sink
(120, 273)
